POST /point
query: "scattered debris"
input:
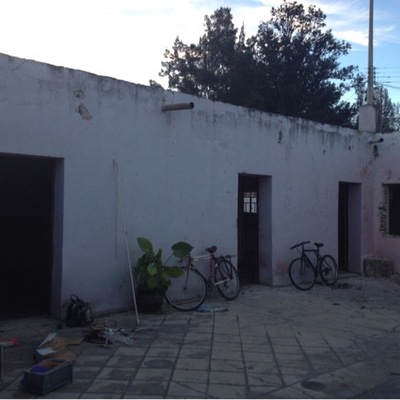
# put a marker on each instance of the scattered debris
(8, 342)
(57, 347)
(103, 334)
(205, 308)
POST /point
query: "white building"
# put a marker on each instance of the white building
(250, 182)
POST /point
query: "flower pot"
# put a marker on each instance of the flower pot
(149, 300)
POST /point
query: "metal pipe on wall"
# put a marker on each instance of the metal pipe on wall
(177, 106)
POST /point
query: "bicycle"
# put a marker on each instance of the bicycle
(303, 272)
(188, 291)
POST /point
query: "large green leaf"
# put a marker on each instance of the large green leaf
(164, 278)
(152, 269)
(181, 249)
(174, 272)
(158, 256)
(145, 244)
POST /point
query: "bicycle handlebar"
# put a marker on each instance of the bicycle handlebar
(299, 244)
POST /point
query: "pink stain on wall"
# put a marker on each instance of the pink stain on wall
(282, 268)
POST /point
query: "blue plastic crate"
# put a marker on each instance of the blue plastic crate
(48, 375)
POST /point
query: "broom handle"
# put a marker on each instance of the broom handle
(115, 162)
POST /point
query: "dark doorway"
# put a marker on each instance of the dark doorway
(248, 228)
(26, 235)
(343, 227)
(349, 227)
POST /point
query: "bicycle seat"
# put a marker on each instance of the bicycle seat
(211, 249)
(318, 245)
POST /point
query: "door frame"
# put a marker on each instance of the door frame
(264, 226)
(349, 227)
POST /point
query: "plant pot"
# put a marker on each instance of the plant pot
(149, 300)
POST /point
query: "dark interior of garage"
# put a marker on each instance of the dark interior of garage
(26, 232)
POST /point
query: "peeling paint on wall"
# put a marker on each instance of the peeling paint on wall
(84, 113)
(81, 109)
(365, 169)
(383, 210)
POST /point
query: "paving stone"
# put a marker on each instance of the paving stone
(117, 373)
(187, 390)
(258, 379)
(227, 365)
(147, 387)
(227, 378)
(183, 375)
(108, 386)
(226, 391)
(153, 374)
(271, 343)
(190, 364)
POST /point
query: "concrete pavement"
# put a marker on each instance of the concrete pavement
(269, 343)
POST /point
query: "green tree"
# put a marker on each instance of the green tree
(181, 68)
(388, 112)
(289, 67)
(217, 67)
(300, 62)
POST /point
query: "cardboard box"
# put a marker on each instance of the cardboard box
(56, 347)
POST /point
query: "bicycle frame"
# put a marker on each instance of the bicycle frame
(190, 290)
(213, 260)
(318, 256)
(325, 266)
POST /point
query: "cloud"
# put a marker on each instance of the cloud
(127, 38)
(357, 37)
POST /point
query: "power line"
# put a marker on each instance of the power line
(393, 87)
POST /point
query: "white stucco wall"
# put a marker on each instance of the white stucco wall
(178, 174)
(386, 171)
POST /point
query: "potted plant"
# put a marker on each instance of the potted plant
(153, 275)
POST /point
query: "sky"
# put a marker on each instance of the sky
(126, 39)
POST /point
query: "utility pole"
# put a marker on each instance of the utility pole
(367, 117)
(370, 88)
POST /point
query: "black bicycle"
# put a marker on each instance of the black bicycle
(303, 272)
(188, 291)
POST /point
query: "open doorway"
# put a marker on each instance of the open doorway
(27, 235)
(254, 229)
(349, 227)
(248, 224)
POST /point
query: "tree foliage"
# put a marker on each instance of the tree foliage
(212, 68)
(291, 66)
(299, 58)
(388, 112)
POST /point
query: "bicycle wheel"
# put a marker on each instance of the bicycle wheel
(226, 279)
(187, 291)
(302, 274)
(328, 270)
